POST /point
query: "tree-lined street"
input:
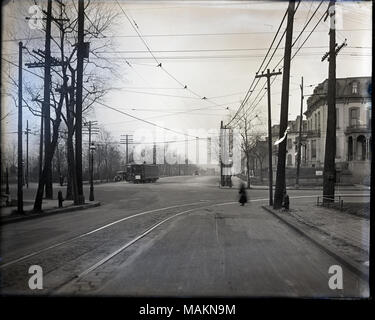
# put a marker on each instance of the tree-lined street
(246, 251)
(131, 130)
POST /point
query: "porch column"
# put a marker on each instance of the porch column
(355, 147)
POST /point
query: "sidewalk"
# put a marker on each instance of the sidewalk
(353, 187)
(343, 235)
(49, 207)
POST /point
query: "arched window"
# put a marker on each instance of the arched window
(350, 149)
(361, 148)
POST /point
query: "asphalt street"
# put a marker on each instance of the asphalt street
(181, 236)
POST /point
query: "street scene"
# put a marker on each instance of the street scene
(186, 149)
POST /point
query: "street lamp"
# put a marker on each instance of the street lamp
(92, 149)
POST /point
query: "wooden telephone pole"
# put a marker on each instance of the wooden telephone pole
(268, 75)
(46, 101)
(19, 160)
(299, 137)
(329, 172)
(280, 174)
(78, 133)
(27, 132)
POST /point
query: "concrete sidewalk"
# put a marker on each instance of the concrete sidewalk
(49, 207)
(343, 235)
(356, 187)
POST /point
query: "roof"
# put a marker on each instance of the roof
(344, 89)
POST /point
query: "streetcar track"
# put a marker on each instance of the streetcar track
(92, 232)
(130, 217)
(128, 244)
(82, 274)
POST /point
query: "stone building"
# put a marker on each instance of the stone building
(353, 127)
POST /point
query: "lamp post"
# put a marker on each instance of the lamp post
(92, 149)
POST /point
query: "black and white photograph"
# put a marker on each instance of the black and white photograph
(186, 149)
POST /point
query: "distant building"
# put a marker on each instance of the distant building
(353, 126)
(291, 144)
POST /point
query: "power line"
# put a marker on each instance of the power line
(248, 93)
(159, 64)
(24, 69)
(140, 119)
(296, 50)
(185, 35)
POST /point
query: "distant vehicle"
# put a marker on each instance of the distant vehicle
(141, 173)
(120, 176)
(196, 173)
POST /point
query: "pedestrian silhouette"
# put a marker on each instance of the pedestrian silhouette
(243, 195)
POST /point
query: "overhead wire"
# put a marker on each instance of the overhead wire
(314, 13)
(159, 64)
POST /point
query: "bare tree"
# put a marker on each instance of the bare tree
(248, 140)
(97, 70)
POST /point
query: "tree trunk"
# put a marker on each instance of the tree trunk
(72, 189)
(48, 159)
(260, 173)
(248, 169)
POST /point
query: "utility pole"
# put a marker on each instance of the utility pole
(91, 150)
(41, 144)
(46, 114)
(19, 168)
(268, 75)
(187, 155)
(27, 132)
(78, 133)
(221, 154)
(91, 196)
(197, 149)
(281, 157)
(208, 150)
(128, 139)
(7, 181)
(329, 172)
(299, 137)
(127, 149)
(46, 100)
(154, 153)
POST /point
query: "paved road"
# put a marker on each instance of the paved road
(208, 249)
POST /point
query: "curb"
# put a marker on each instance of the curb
(254, 187)
(49, 212)
(351, 265)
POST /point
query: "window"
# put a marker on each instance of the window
(313, 149)
(319, 121)
(337, 118)
(289, 160)
(289, 144)
(354, 116)
(315, 121)
(355, 88)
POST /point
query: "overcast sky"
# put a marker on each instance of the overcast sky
(214, 48)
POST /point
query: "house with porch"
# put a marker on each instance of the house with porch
(353, 128)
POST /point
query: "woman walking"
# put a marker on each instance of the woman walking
(243, 195)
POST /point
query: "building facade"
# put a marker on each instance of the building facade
(291, 144)
(353, 126)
